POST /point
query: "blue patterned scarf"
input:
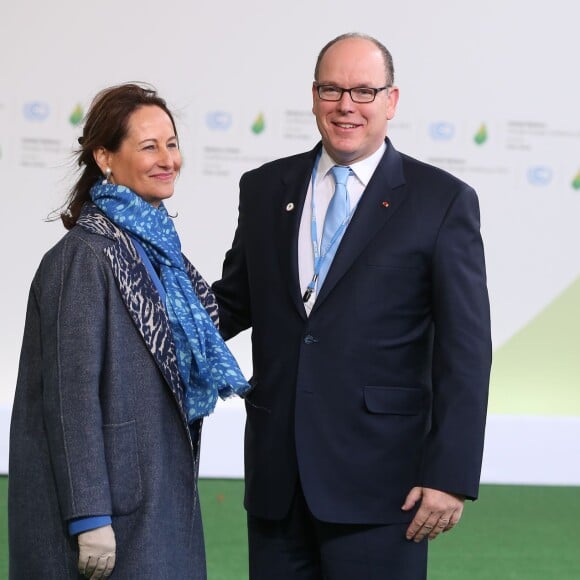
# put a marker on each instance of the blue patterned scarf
(206, 365)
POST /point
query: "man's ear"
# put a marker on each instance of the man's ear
(392, 101)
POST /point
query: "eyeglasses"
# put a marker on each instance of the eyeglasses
(357, 94)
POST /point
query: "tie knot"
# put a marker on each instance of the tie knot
(340, 174)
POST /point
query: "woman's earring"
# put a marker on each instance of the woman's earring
(107, 176)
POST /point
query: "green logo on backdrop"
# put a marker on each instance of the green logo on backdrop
(76, 116)
(259, 124)
(481, 136)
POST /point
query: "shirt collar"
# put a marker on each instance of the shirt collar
(363, 170)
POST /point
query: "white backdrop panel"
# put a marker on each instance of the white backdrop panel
(506, 69)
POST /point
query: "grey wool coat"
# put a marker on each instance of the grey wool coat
(98, 423)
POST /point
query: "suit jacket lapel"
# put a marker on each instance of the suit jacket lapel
(295, 186)
(381, 199)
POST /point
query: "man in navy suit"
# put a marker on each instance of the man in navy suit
(371, 351)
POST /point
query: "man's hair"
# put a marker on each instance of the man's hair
(389, 68)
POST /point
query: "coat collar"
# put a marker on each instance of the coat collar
(139, 295)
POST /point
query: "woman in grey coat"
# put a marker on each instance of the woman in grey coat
(120, 361)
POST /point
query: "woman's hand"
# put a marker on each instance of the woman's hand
(97, 552)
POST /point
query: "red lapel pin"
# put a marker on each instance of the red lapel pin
(385, 204)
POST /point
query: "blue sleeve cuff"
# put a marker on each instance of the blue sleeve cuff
(86, 524)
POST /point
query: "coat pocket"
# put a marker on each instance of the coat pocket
(123, 466)
(396, 400)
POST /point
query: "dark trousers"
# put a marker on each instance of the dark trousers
(300, 547)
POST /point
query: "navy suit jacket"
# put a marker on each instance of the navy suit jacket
(384, 386)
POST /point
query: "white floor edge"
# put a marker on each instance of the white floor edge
(525, 450)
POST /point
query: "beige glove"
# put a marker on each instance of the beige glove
(97, 553)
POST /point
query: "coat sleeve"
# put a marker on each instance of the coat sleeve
(461, 352)
(232, 290)
(73, 311)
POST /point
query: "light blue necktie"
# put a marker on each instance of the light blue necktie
(336, 216)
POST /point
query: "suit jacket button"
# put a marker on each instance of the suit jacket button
(309, 339)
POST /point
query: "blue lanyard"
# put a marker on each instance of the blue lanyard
(320, 254)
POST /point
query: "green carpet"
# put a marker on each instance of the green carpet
(510, 533)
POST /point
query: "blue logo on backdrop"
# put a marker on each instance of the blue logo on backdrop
(442, 131)
(36, 110)
(218, 120)
(540, 175)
